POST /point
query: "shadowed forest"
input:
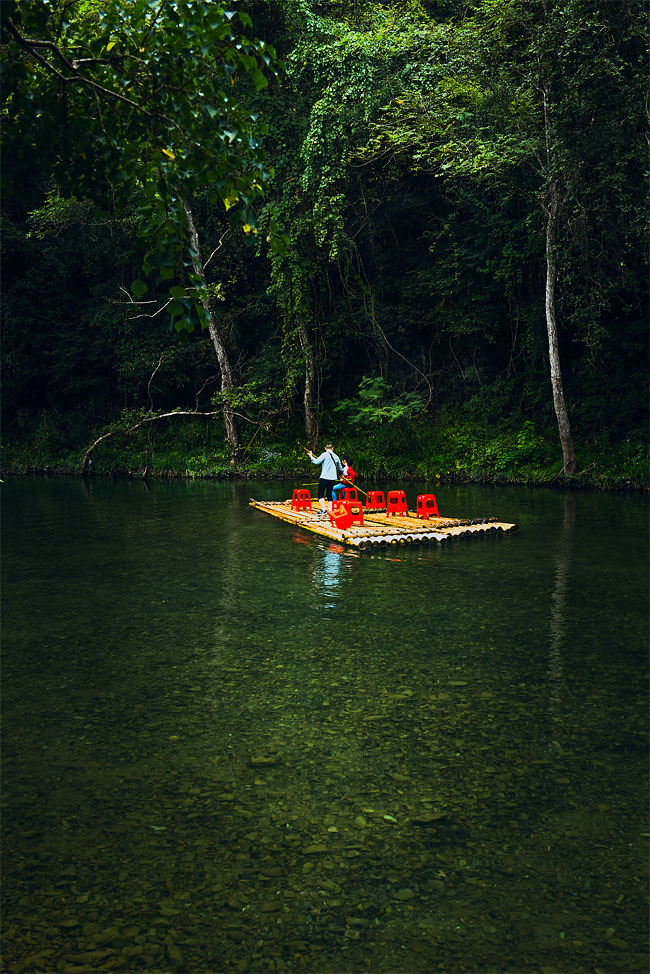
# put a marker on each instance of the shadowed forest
(417, 228)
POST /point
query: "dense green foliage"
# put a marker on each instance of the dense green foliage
(372, 211)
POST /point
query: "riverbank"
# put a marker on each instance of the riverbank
(453, 452)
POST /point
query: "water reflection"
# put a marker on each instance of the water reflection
(328, 574)
(558, 620)
(196, 777)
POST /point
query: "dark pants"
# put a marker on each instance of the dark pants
(325, 489)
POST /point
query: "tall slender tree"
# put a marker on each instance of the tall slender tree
(516, 106)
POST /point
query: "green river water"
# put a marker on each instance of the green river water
(229, 745)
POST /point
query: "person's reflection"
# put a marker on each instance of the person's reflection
(558, 615)
(327, 574)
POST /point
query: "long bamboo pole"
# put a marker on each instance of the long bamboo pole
(347, 482)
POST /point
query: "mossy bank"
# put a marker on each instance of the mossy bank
(444, 451)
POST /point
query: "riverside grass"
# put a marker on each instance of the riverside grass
(433, 452)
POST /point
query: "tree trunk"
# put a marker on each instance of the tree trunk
(227, 380)
(551, 210)
(566, 439)
(311, 418)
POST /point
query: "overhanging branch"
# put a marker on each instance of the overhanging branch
(143, 422)
(31, 44)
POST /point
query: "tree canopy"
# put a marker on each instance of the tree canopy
(386, 215)
(138, 104)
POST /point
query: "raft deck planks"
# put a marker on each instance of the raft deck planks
(379, 530)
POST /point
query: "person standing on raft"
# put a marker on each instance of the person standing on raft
(331, 467)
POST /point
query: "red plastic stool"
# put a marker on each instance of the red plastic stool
(396, 503)
(345, 496)
(349, 494)
(341, 521)
(301, 500)
(426, 506)
(375, 498)
(353, 511)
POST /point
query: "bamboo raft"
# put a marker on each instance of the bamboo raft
(380, 531)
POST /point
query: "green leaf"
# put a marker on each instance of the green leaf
(139, 288)
(258, 78)
(184, 324)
